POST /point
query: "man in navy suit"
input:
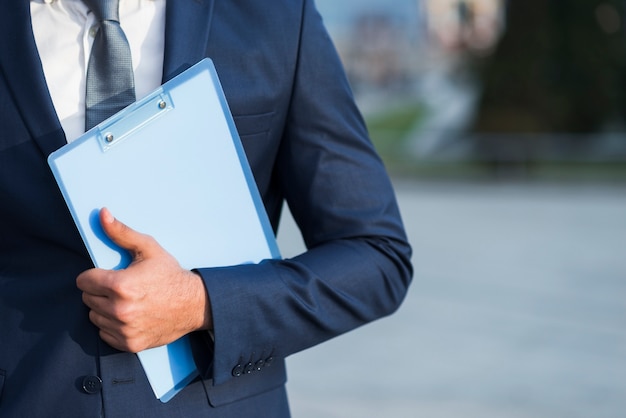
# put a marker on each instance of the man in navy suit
(68, 331)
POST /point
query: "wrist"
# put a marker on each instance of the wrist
(202, 312)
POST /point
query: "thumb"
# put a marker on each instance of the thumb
(134, 242)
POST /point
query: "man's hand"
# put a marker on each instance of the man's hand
(152, 302)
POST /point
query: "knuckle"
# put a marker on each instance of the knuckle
(123, 287)
(124, 314)
(133, 347)
(149, 243)
(117, 287)
(133, 344)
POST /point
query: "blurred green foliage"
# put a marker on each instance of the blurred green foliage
(390, 130)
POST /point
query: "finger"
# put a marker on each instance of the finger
(103, 322)
(113, 334)
(94, 282)
(98, 304)
(110, 339)
(109, 326)
(114, 340)
(124, 236)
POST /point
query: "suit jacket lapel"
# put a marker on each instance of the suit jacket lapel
(20, 64)
(186, 35)
(187, 25)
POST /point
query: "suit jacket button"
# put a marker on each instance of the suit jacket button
(237, 370)
(249, 368)
(92, 384)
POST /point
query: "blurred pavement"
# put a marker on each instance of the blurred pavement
(517, 309)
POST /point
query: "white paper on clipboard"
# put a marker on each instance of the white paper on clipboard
(172, 166)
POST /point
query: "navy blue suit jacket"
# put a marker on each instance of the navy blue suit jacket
(307, 145)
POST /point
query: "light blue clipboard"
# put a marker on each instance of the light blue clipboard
(170, 165)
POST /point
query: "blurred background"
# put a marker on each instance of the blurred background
(488, 88)
(503, 125)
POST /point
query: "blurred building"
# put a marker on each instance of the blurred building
(379, 51)
(474, 25)
(398, 42)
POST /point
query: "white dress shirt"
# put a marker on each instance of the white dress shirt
(64, 31)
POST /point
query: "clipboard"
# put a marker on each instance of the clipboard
(170, 165)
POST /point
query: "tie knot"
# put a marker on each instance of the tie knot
(104, 9)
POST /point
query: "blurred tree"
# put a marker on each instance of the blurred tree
(560, 67)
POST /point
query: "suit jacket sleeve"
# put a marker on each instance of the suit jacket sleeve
(357, 266)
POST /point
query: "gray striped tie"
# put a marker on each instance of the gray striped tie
(110, 80)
